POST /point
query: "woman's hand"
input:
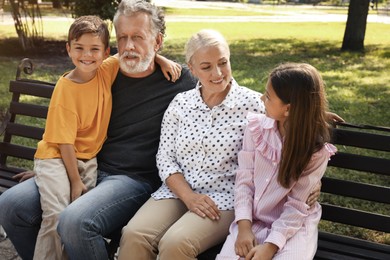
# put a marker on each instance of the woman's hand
(202, 205)
(314, 195)
(333, 117)
(199, 204)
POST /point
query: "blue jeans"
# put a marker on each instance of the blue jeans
(83, 225)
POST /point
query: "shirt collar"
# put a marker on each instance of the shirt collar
(229, 101)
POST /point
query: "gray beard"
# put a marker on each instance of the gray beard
(133, 67)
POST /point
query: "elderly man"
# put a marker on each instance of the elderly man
(127, 165)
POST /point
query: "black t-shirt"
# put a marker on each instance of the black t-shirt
(138, 106)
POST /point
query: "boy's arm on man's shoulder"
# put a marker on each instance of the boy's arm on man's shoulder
(170, 68)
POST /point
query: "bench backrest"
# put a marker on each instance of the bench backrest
(363, 176)
(20, 129)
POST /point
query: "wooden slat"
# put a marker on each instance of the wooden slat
(361, 139)
(360, 163)
(356, 190)
(25, 131)
(28, 109)
(32, 88)
(18, 151)
(7, 183)
(355, 217)
(331, 246)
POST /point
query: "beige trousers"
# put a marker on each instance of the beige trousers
(54, 188)
(166, 228)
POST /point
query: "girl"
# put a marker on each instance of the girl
(285, 153)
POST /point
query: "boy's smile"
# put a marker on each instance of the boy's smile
(87, 54)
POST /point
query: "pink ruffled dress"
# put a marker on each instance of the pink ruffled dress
(279, 215)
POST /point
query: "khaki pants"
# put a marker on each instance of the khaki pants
(54, 188)
(166, 228)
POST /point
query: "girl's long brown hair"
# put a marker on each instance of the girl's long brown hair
(301, 86)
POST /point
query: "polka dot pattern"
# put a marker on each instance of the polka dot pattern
(203, 143)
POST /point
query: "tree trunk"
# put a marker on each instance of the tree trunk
(56, 4)
(356, 25)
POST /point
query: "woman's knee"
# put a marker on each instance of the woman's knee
(130, 232)
(175, 243)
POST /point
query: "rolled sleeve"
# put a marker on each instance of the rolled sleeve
(166, 155)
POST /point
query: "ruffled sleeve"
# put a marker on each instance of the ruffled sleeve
(265, 136)
(331, 149)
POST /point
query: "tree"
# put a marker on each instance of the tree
(28, 22)
(356, 25)
(105, 9)
(56, 4)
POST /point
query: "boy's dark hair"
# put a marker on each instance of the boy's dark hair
(89, 24)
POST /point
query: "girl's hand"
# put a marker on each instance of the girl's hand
(262, 252)
(246, 240)
(76, 190)
(202, 205)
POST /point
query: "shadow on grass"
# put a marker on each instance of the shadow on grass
(357, 83)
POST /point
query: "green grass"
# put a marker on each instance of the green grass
(358, 84)
(215, 12)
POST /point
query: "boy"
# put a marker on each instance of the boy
(76, 127)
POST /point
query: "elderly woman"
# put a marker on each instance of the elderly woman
(201, 134)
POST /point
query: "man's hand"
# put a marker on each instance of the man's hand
(23, 176)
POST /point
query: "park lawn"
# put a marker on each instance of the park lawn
(357, 84)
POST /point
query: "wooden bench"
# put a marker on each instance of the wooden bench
(21, 129)
(364, 157)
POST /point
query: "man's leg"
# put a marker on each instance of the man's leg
(20, 215)
(98, 213)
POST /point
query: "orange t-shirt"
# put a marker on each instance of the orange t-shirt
(79, 114)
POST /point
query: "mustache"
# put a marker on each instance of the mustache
(130, 54)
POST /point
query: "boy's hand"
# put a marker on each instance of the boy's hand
(171, 70)
(77, 189)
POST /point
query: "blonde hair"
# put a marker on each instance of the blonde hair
(201, 39)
